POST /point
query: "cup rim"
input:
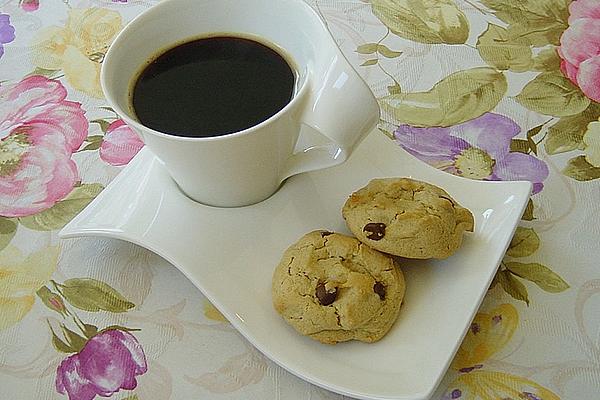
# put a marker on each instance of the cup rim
(126, 116)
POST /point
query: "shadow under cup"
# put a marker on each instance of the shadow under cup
(246, 167)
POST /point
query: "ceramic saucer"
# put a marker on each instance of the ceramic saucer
(230, 254)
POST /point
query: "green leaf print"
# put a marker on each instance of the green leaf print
(525, 242)
(372, 48)
(553, 94)
(94, 138)
(424, 21)
(567, 134)
(387, 53)
(8, 228)
(120, 328)
(539, 274)
(367, 48)
(92, 146)
(541, 22)
(460, 97)
(369, 62)
(528, 213)
(94, 142)
(93, 295)
(499, 50)
(48, 73)
(64, 211)
(52, 300)
(90, 330)
(103, 124)
(512, 286)
(61, 345)
(533, 132)
(547, 60)
(520, 146)
(74, 340)
(581, 170)
(394, 89)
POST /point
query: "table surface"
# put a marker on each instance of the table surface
(486, 89)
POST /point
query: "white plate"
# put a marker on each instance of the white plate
(230, 254)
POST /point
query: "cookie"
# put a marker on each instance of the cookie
(407, 218)
(333, 288)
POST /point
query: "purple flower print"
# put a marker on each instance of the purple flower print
(7, 32)
(477, 149)
(109, 362)
(455, 394)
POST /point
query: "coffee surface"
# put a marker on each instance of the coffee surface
(212, 87)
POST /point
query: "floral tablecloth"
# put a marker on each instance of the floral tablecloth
(486, 89)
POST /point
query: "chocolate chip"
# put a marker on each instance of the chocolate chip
(376, 231)
(325, 297)
(326, 233)
(379, 289)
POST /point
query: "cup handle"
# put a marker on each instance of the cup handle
(343, 109)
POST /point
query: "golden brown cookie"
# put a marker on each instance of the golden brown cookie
(407, 218)
(333, 288)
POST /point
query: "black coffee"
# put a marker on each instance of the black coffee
(212, 87)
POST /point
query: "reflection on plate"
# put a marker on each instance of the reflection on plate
(230, 254)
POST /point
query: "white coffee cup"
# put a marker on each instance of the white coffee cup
(247, 167)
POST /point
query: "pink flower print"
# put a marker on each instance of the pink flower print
(120, 144)
(476, 149)
(30, 5)
(39, 131)
(109, 362)
(580, 47)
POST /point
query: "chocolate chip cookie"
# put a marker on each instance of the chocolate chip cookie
(333, 288)
(407, 218)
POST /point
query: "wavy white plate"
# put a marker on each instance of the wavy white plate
(230, 254)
